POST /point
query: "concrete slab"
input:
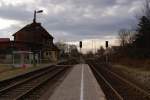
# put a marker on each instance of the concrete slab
(80, 84)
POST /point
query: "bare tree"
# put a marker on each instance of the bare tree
(89, 54)
(146, 9)
(73, 51)
(101, 51)
(122, 37)
(126, 37)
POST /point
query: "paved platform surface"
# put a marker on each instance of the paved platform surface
(80, 84)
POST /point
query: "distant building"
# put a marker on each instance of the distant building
(5, 49)
(4, 43)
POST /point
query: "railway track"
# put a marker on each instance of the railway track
(21, 87)
(14, 80)
(117, 88)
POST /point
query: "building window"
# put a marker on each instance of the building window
(50, 53)
(47, 53)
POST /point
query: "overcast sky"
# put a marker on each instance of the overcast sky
(71, 20)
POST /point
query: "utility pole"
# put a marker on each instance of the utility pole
(92, 46)
(95, 46)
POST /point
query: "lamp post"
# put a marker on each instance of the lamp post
(34, 48)
(35, 12)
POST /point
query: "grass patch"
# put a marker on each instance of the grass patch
(137, 75)
(8, 71)
(141, 64)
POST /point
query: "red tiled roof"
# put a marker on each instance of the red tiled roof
(34, 28)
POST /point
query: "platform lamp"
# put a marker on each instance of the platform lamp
(35, 12)
(34, 21)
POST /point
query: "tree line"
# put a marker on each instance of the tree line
(136, 43)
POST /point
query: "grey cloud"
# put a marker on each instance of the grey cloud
(77, 19)
(15, 13)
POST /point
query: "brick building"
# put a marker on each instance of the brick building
(32, 38)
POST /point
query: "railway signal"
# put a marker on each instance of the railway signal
(80, 44)
(106, 44)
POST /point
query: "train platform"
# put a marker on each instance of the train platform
(80, 84)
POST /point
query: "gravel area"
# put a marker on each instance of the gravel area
(138, 76)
